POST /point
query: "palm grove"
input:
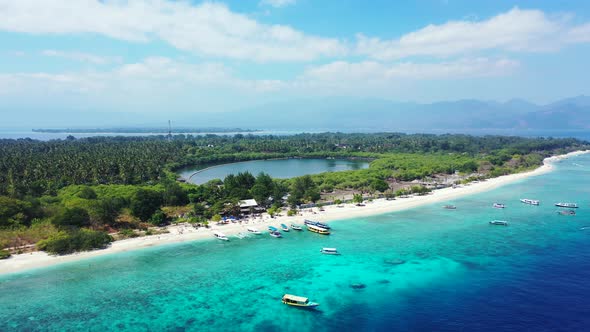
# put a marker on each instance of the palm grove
(67, 195)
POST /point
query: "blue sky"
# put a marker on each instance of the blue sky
(146, 57)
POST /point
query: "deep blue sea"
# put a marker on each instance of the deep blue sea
(424, 269)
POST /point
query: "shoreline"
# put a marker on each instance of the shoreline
(184, 233)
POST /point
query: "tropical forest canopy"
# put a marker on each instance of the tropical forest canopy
(66, 195)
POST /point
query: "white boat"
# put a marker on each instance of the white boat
(298, 301)
(220, 236)
(284, 228)
(254, 231)
(276, 234)
(499, 222)
(316, 223)
(529, 201)
(499, 205)
(567, 205)
(329, 251)
(296, 227)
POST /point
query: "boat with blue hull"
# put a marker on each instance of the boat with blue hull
(316, 223)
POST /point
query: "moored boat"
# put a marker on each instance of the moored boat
(499, 205)
(272, 229)
(529, 201)
(254, 230)
(318, 229)
(241, 235)
(450, 207)
(329, 251)
(567, 212)
(316, 223)
(220, 236)
(296, 227)
(298, 301)
(499, 222)
(567, 205)
(275, 234)
(284, 228)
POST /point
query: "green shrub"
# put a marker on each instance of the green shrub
(292, 212)
(79, 240)
(4, 254)
(128, 233)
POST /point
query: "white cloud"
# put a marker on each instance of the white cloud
(209, 29)
(278, 3)
(515, 31)
(370, 71)
(152, 76)
(82, 57)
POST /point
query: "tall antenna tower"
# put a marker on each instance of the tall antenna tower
(169, 131)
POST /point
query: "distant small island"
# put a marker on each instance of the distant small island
(181, 130)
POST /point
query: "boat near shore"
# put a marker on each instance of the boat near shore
(220, 236)
(317, 229)
(296, 227)
(276, 234)
(530, 201)
(499, 222)
(316, 223)
(284, 228)
(254, 231)
(567, 205)
(298, 301)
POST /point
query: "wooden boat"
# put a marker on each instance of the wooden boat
(220, 236)
(276, 234)
(499, 222)
(316, 223)
(254, 231)
(284, 228)
(567, 205)
(296, 227)
(449, 207)
(499, 205)
(529, 201)
(298, 301)
(329, 251)
(317, 229)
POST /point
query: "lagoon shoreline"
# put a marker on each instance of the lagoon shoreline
(184, 233)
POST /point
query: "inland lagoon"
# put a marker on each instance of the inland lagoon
(423, 269)
(278, 168)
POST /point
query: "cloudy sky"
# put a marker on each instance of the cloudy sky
(153, 56)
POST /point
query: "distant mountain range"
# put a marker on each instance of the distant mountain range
(352, 114)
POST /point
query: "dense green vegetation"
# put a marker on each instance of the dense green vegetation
(67, 195)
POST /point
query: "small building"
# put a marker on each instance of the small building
(249, 205)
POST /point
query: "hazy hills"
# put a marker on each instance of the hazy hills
(345, 114)
(374, 114)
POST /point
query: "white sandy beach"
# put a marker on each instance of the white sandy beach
(180, 233)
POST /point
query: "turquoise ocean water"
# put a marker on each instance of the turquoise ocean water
(425, 269)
